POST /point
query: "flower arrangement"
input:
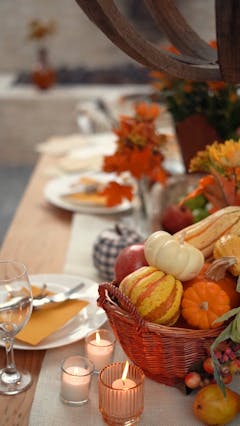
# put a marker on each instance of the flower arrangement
(138, 148)
(38, 30)
(43, 76)
(219, 102)
(221, 185)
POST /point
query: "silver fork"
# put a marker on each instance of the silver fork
(58, 297)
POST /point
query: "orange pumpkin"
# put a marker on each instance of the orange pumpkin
(203, 303)
(228, 284)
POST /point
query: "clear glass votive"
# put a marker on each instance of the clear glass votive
(121, 402)
(99, 347)
(76, 374)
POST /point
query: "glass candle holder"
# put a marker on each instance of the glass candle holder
(76, 374)
(121, 402)
(99, 347)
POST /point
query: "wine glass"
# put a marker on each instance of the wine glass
(15, 311)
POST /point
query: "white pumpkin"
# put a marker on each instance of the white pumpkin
(172, 256)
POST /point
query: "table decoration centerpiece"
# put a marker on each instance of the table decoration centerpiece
(43, 75)
(150, 301)
(138, 152)
(181, 310)
(215, 183)
(202, 111)
(220, 165)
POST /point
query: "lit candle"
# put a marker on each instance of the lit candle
(99, 350)
(121, 398)
(76, 380)
(124, 383)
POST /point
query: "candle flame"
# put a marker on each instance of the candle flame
(98, 338)
(75, 371)
(125, 371)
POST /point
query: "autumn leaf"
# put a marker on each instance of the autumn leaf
(116, 193)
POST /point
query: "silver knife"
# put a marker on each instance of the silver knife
(58, 297)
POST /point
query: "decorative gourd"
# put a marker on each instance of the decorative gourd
(172, 256)
(217, 273)
(205, 233)
(229, 245)
(156, 295)
(108, 245)
(203, 303)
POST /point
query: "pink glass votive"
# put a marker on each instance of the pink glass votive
(121, 402)
(99, 347)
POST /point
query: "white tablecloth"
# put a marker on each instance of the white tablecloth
(164, 405)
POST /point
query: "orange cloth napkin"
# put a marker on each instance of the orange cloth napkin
(48, 319)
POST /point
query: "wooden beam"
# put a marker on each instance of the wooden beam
(181, 35)
(228, 25)
(110, 20)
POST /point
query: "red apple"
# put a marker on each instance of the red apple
(176, 217)
(192, 380)
(128, 260)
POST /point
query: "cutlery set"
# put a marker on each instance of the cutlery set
(70, 294)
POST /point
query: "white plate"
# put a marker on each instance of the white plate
(57, 187)
(88, 319)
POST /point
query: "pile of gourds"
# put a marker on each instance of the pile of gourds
(184, 279)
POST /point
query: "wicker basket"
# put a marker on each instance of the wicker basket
(165, 354)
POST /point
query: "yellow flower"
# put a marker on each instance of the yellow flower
(225, 154)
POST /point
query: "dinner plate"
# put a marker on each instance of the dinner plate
(88, 319)
(55, 188)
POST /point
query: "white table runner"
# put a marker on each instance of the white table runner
(164, 405)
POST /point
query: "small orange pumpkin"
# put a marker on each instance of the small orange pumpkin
(228, 284)
(203, 303)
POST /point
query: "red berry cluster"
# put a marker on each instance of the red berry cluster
(228, 355)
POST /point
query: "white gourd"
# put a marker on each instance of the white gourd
(167, 253)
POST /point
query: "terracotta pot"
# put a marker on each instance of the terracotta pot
(193, 134)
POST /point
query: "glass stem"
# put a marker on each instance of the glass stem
(142, 200)
(11, 366)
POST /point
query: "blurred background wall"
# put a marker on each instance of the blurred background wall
(77, 41)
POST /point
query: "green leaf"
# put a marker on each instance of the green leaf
(224, 335)
(217, 375)
(227, 315)
(235, 333)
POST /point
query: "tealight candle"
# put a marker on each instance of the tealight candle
(124, 383)
(99, 347)
(75, 380)
(121, 398)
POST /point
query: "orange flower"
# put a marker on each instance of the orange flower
(213, 44)
(138, 150)
(173, 49)
(221, 187)
(217, 101)
(188, 87)
(146, 111)
(216, 85)
(138, 145)
(40, 30)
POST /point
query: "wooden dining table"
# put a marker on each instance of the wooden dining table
(38, 236)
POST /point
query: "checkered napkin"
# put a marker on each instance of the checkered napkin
(108, 245)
